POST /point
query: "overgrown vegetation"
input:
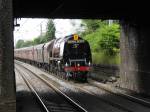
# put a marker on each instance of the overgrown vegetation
(104, 41)
(49, 35)
(102, 58)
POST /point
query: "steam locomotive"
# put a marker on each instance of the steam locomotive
(69, 57)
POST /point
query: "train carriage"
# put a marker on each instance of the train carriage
(39, 54)
(26, 53)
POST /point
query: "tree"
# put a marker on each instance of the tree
(50, 33)
(92, 25)
(20, 43)
(109, 41)
(28, 43)
(105, 38)
(38, 40)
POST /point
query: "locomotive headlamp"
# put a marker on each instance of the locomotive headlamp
(58, 62)
(66, 64)
(89, 63)
(78, 64)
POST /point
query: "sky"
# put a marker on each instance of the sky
(32, 28)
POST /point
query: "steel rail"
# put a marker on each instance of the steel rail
(32, 89)
(127, 96)
(80, 108)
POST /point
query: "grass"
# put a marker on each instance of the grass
(101, 58)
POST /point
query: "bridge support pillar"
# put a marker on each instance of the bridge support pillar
(7, 78)
(135, 56)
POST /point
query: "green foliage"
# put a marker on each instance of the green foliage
(102, 58)
(19, 43)
(92, 25)
(93, 40)
(109, 41)
(27, 43)
(39, 40)
(104, 41)
(50, 34)
(22, 43)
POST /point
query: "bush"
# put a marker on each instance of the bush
(105, 39)
(109, 41)
(104, 43)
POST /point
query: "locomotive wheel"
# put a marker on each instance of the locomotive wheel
(84, 77)
(74, 76)
(62, 75)
(65, 76)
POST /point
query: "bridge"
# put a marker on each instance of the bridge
(135, 61)
(78, 9)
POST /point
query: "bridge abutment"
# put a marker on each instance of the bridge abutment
(135, 56)
(7, 77)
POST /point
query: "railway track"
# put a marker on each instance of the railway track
(74, 106)
(120, 101)
(118, 92)
(117, 105)
(41, 103)
(125, 107)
